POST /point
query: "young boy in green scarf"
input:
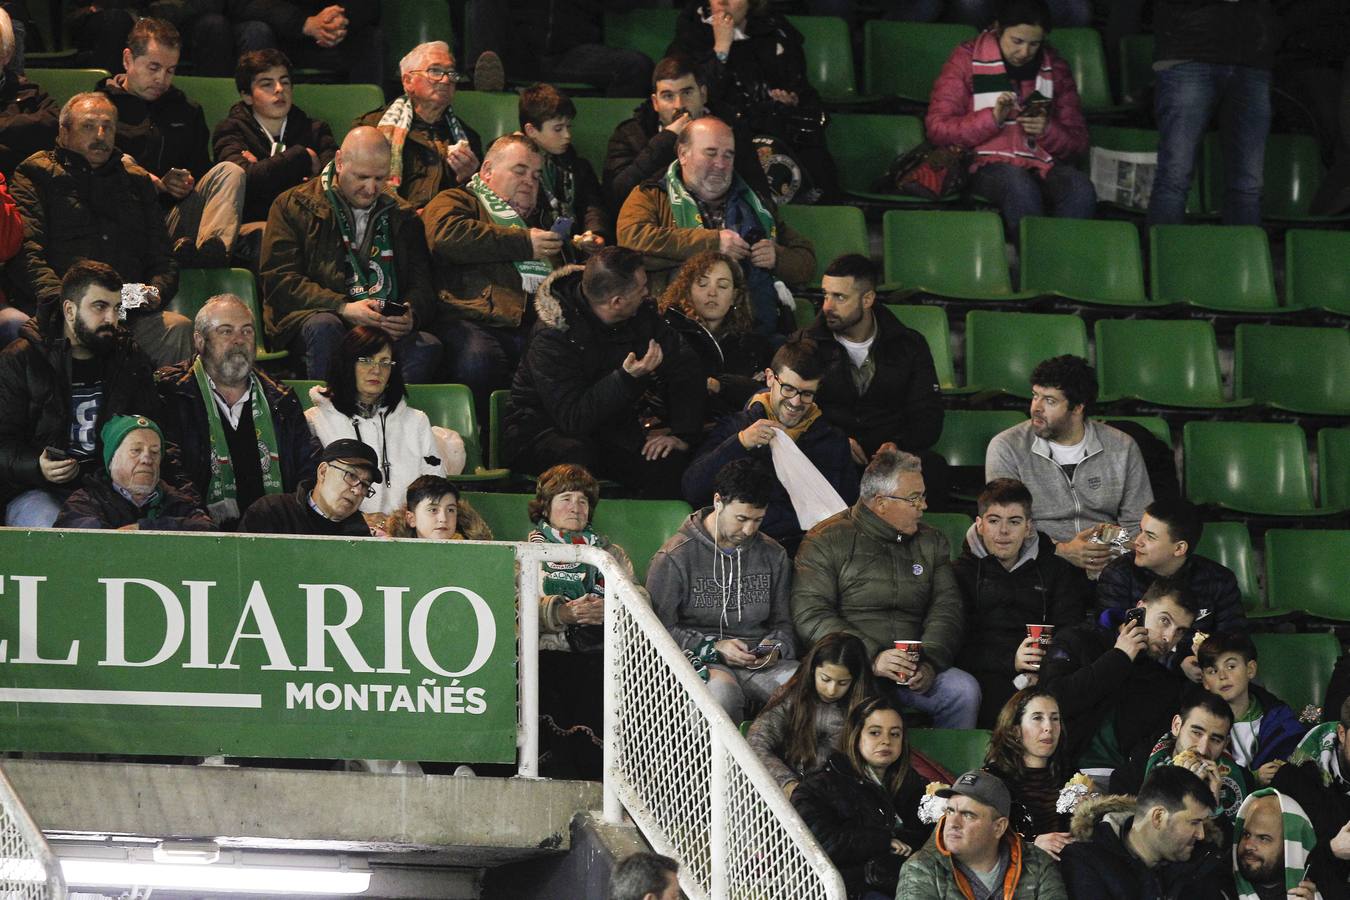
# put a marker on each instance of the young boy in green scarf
(568, 188)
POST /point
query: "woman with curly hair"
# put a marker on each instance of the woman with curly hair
(1026, 752)
(708, 304)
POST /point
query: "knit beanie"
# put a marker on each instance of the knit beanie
(117, 428)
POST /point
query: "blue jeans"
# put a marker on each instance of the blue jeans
(1187, 96)
(480, 356)
(419, 353)
(953, 700)
(34, 508)
(1018, 191)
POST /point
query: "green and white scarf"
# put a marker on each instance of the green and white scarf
(376, 277)
(559, 188)
(684, 208)
(1321, 747)
(223, 487)
(532, 271)
(571, 580)
(1299, 841)
(395, 125)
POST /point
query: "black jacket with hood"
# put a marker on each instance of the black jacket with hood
(168, 133)
(267, 176)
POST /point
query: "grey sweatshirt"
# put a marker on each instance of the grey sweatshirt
(699, 591)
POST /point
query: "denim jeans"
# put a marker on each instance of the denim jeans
(419, 353)
(953, 700)
(1017, 191)
(480, 356)
(1188, 95)
(35, 508)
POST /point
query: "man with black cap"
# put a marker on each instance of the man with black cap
(329, 505)
(975, 853)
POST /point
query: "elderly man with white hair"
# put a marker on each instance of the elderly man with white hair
(431, 148)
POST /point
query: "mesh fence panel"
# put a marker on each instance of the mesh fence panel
(28, 870)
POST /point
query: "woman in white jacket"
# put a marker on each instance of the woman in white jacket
(365, 398)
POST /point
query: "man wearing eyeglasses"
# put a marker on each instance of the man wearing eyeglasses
(329, 505)
(787, 409)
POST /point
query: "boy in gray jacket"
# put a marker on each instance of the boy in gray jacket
(722, 589)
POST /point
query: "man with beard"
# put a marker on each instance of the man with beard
(59, 384)
(1277, 854)
(242, 434)
(328, 505)
(1083, 474)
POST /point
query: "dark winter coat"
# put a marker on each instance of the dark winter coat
(589, 211)
(1236, 32)
(27, 121)
(168, 133)
(425, 171)
(268, 176)
(97, 504)
(1213, 586)
(292, 514)
(734, 359)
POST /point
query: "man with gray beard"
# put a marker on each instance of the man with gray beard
(242, 434)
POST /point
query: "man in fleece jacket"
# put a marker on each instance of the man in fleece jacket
(721, 588)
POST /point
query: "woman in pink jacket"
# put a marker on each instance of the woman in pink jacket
(1008, 97)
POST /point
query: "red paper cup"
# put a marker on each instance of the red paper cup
(913, 649)
(1042, 634)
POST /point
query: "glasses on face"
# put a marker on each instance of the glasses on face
(913, 500)
(353, 480)
(436, 74)
(371, 362)
(791, 391)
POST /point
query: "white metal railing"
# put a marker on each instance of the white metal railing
(673, 758)
(28, 869)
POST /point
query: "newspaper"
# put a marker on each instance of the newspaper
(1125, 179)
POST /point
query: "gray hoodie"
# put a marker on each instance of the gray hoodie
(699, 591)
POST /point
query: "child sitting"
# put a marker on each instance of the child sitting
(569, 192)
(1265, 729)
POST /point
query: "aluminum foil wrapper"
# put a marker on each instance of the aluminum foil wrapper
(135, 296)
(1070, 796)
(931, 808)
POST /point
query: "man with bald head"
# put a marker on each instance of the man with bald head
(242, 435)
(340, 252)
(699, 203)
(489, 258)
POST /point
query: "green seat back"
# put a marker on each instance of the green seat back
(196, 286)
(834, 230)
(957, 750)
(1309, 570)
(408, 23)
(640, 526)
(490, 114)
(451, 406)
(1002, 349)
(1333, 467)
(596, 119)
(1292, 174)
(496, 410)
(864, 145)
(62, 84)
(903, 59)
(944, 252)
(1305, 370)
(216, 96)
(1296, 667)
(1136, 66)
(966, 433)
(1141, 140)
(506, 514)
(1156, 425)
(931, 322)
(953, 525)
(1223, 267)
(1095, 260)
(829, 56)
(648, 31)
(1252, 467)
(340, 105)
(1082, 49)
(1317, 269)
(301, 387)
(1230, 545)
(1174, 363)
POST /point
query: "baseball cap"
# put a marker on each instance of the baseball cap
(350, 450)
(984, 787)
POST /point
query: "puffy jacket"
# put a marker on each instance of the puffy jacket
(1110, 484)
(27, 120)
(304, 267)
(903, 403)
(73, 212)
(1099, 865)
(855, 573)
(1227, 32)
(165, 134)
(1213, 586)
(931, 873)
(1041, 588)
(267, 176)
(97, 504)
(572, 376)
(425, 171)
(35, 403)
(734, 359)
(953, 120)
(11, 225)
(854, 819)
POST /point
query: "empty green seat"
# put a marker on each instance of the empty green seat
(931, 322)
(829, 56)
(640, 526)
(597, 117)
(409, 23)
(864, 145)
(196, 286)
(834, 230)
(1139, 140)
(1156, 425)
(491, 114)
(1089, 260)
(1251, 467)
(62, 84)
(1317, 269)
(1296, 667)
(1222, 267)
(451, 406)
(1082, 49)
(1173, 363)
(966, 433)
(1002, 348)
(340, 105)
(1230, 545)
(1292, 174)
(496, 410)
(957, 750)
(953, 525)
(506, 514)
(1309, 570)
(1304, 370)
(903, 59)
(648, 31)
(215, 95)
(1333, 467)
(947, 253)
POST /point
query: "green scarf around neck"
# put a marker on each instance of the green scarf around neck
(223, 486)
(684, 208)
(532, 271)
(571, 580)
(375, 279)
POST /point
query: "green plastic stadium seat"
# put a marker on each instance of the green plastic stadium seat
(216, 96)
(1140, 140)
(408, 23)
(506, 514)
(829, 57)
(1252, 467)
(62, 84)
(1230, 545)
(1156, 425)
(1088, 260)
(340, 105)
(903, 59)
(953, 525)
(1221, 267)
(640, 526)
(1309, 570)
(1136, 67)
(490, 114)
(1317, 269)
(1304, 370)
(496, 409)
(301, 387)
(1333, 467)
(834, 230)
(1082, 49)
(1292, 174)
(966, 433)
(196, 286)
(947, 253)
(1002, 348)
(1296, 667)
(865, 144)
(1166, 362)
(931, 322)
(451, 406)
(958, 750)
(596, 119)
(649, 31)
